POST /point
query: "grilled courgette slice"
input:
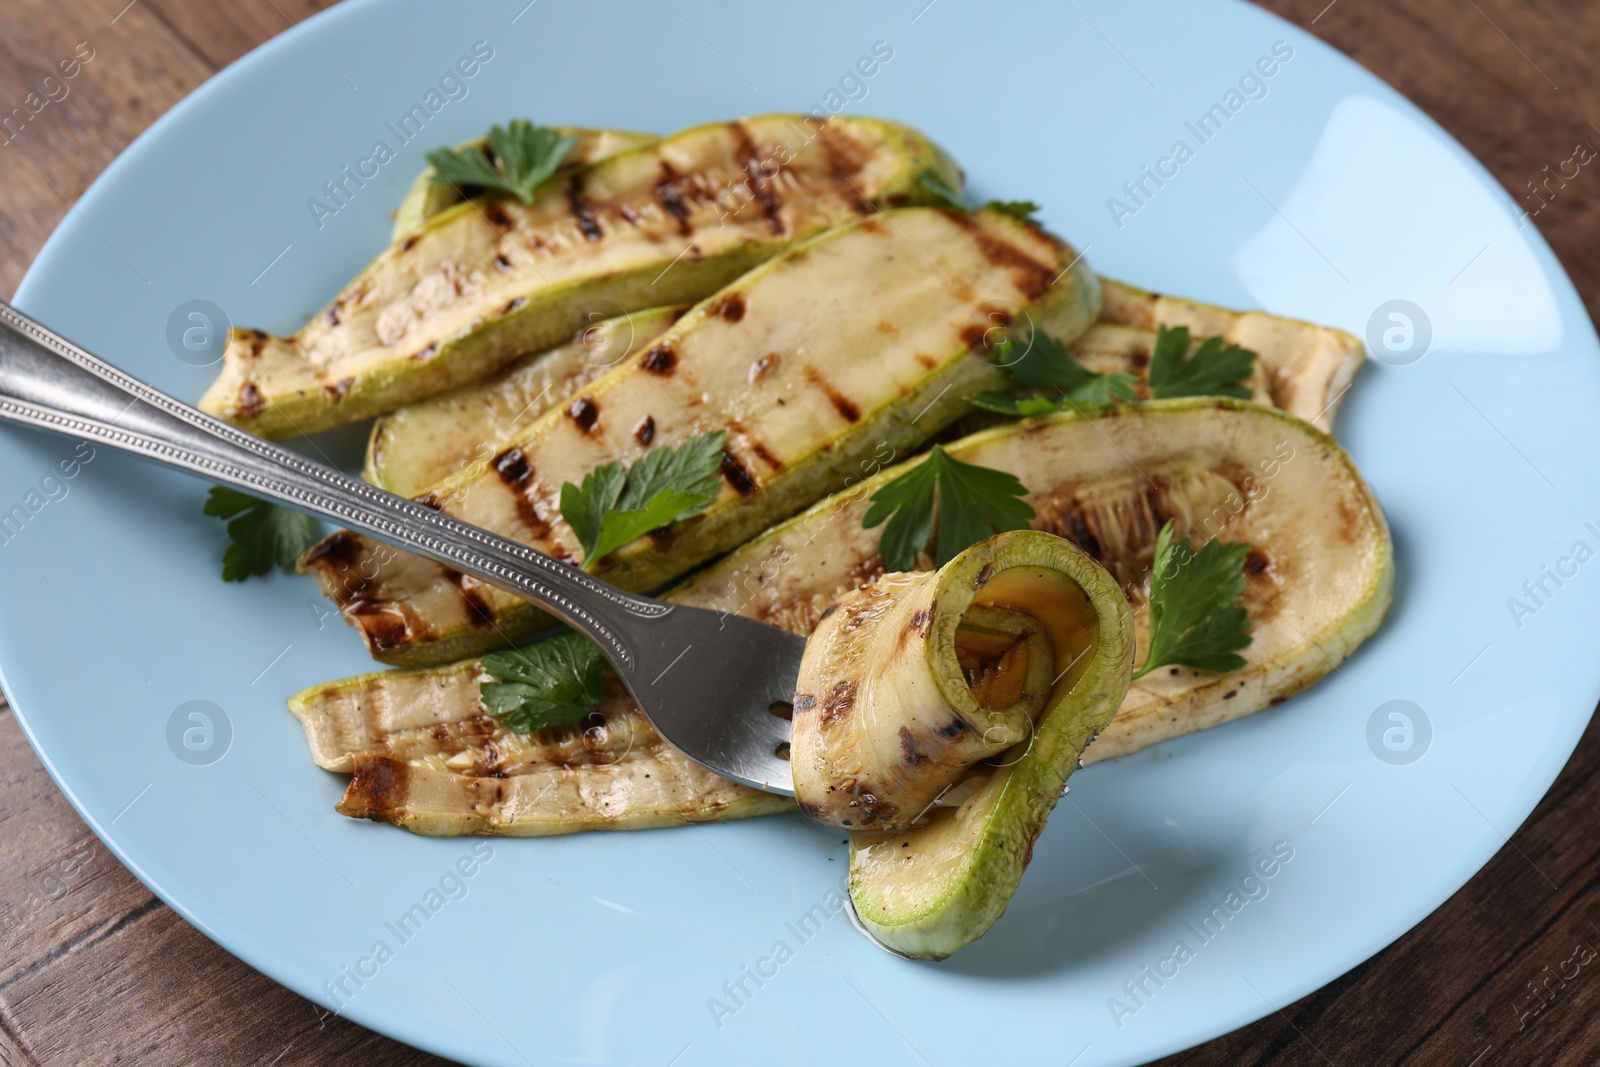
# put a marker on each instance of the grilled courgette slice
(422, 444)
(1320, 577)
(419, 445)
(440, 775)
(487, 282)
(427, 198)
(821, 364)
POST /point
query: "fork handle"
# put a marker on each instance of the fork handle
(50, 383)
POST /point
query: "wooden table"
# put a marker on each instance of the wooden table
(94, 970)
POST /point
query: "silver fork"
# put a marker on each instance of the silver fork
(715, 686)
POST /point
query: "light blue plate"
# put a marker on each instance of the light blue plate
(1325, 198)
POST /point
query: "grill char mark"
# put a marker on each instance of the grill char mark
(582, 211)
(377, 790)
(585, 412)
(334, 553)
(842, 166)
(846, 407)
(838, 703)
(765, 454)
(383, 630)
(912, 751)
(737, 475)
(495, 213)
(1030, 276)
(669, 194)
(976, 337)
(756, 445)
(513, 469)
(661, 359)
(478, 608)
(251, 401)
(760, 184)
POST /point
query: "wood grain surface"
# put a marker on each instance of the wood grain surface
(94, 970)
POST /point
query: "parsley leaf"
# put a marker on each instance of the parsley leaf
(614, 505)
(970, 502)
(552, 683)
(524, 156)
(1049, 365)
(1045, 363)
(262, 533)
(1025, 210)
(1108, 388)
(1212, 370)
(947, 195)
(1195, 617)
(1016, 405)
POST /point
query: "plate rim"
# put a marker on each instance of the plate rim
(373, 1015)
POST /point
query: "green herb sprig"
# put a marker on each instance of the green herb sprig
(1196, 619)
(261, 534)
(1211, 369)
(524, 155)
(553, 683)
(615, 505)
(1048, 365)
(1022, 210)
(947, 195)
(943, 193)
(1059, 382)
(970, 503)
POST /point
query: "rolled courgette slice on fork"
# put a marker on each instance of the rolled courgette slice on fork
(978, 685)
(909, 682)
(485, 282)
